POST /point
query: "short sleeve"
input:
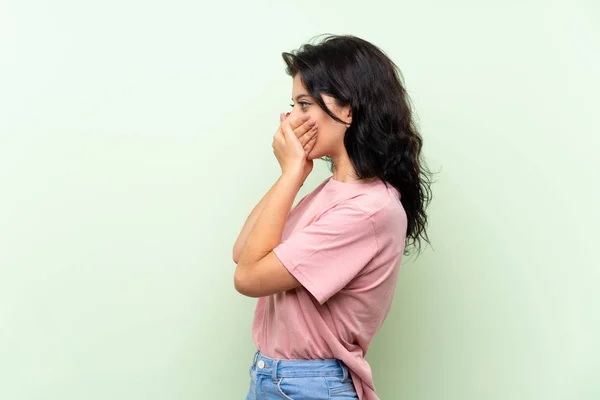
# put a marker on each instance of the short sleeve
(330, 252)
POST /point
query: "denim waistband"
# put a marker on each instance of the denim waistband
(281, 368)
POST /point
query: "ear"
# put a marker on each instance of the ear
(347, 114)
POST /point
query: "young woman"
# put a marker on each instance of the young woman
(325, 273)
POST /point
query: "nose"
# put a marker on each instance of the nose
(293, 114)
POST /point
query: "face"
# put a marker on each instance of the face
(330, 133)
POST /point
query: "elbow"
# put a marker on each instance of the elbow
(242, 283)
(239, 282)
(236, 254)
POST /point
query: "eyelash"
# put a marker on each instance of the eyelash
(303, 105)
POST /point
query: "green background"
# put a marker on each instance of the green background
(135, 138)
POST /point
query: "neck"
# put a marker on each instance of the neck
(343, 171)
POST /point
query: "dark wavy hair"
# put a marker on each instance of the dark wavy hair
(383, 140)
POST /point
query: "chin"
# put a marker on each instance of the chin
(314, 154)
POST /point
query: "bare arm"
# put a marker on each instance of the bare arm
(249, 224)
(259, 272)
(300, 129)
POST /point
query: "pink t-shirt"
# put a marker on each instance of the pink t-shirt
(344, 243)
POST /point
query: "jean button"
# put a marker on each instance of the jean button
(261, 364)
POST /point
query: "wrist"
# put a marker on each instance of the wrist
(293, 178)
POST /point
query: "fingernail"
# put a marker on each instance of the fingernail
(305, 118)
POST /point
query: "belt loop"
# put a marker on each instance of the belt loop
(255, 357)
(344, 371)
(274, 370)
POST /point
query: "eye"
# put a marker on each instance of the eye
(303, 105)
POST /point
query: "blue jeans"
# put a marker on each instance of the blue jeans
(273, 378)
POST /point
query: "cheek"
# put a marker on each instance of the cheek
(322, 137)
(319, 118)
(323, 130)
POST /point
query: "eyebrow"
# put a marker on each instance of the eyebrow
(301, 96)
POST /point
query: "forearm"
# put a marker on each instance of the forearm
(249, 224)
(267, 231)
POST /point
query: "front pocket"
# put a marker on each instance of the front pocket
(346, 387)
(285, 396)
(341, 390)
(304, 387)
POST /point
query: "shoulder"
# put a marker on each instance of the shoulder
(383, 207)
(381, 201)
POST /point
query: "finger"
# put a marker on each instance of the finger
(311, 141)
(306, 137)
(287, 131)
(309, 146)
(278, 137)
(305, 128)
(281, 117)
(296, 122)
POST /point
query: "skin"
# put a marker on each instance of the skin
(330, 140)
(306, 133)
